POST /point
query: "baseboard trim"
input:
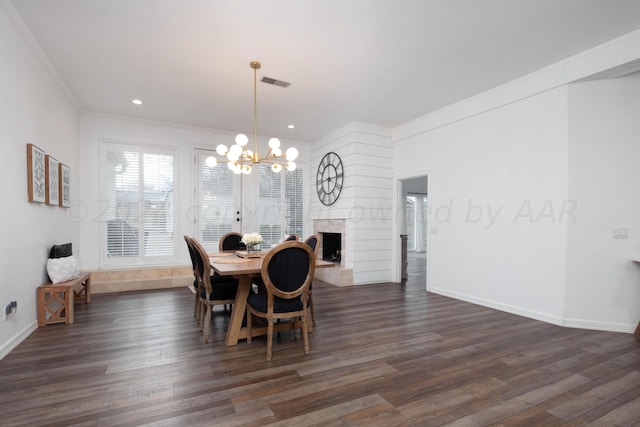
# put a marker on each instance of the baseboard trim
(520, 311)
(600, 326)
(17, 339)
(543, 317)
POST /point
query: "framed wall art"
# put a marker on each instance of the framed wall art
(52, 188)
(36, 174)
(64, 180)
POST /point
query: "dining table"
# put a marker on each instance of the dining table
(245, 269)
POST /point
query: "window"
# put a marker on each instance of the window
(216, 189)
(293, 202)
(280, 204)
(137, 205)
(416, 206)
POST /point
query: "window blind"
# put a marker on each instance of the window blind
(216, 200)
(281, 204)
(293, 202)
(138, 198)
(270, 205)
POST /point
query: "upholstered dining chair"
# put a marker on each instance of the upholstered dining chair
(287, 272)
(212, 291)
(312, 241)
(290, 238)
(196, 282)
(231, 241)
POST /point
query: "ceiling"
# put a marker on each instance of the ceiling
(374, 61)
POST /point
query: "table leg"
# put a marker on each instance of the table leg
(239, 308)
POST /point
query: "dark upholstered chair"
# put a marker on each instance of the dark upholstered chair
(312, 241)
(231, 242)
(196, 283)
(290, 238)
(287, 272)
(214, 290)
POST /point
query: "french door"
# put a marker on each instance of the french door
(218, 201)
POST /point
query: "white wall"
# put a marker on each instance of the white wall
(33, 109)
(366, 201)
(603, 284)
(498, 181)
(96, 128)
(554, 163)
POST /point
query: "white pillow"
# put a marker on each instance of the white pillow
(63, 269)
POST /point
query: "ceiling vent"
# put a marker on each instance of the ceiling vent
(275, 82)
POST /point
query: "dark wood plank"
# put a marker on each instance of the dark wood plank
(388, 354)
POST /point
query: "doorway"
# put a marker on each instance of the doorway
(414, 227)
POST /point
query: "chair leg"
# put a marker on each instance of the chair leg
(249, 326)
(201, 316)
(195, 306)
(199, 313)
(207, 324)
(305, 336)
(269, 338)
(313, 313)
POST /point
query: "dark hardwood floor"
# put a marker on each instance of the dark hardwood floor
(381, 355)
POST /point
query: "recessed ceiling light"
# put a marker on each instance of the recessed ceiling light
(137, 101)
(291, 126)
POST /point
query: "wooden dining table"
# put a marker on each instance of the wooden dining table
(245, 270)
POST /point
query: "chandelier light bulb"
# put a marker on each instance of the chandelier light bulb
(231, 165)
(276, 167)
(274, 143)
(234, 153)
(221, 149)
(292, 154)
(291, 166)
(211, 161)
(276, 152)
(241, 139)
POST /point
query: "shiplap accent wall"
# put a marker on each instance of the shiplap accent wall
(366, 202)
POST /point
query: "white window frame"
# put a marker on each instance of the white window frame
(107, 209)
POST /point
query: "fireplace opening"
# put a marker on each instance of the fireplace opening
(331, 247)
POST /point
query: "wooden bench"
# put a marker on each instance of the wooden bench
(55, 301)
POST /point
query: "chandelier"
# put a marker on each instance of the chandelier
(240, 159)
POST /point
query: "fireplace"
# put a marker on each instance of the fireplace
(332, 247)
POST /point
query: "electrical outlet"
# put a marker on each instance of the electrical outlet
(10, 308)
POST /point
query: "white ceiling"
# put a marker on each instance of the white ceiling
(374, 61)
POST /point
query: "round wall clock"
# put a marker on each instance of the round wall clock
(329, 178)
